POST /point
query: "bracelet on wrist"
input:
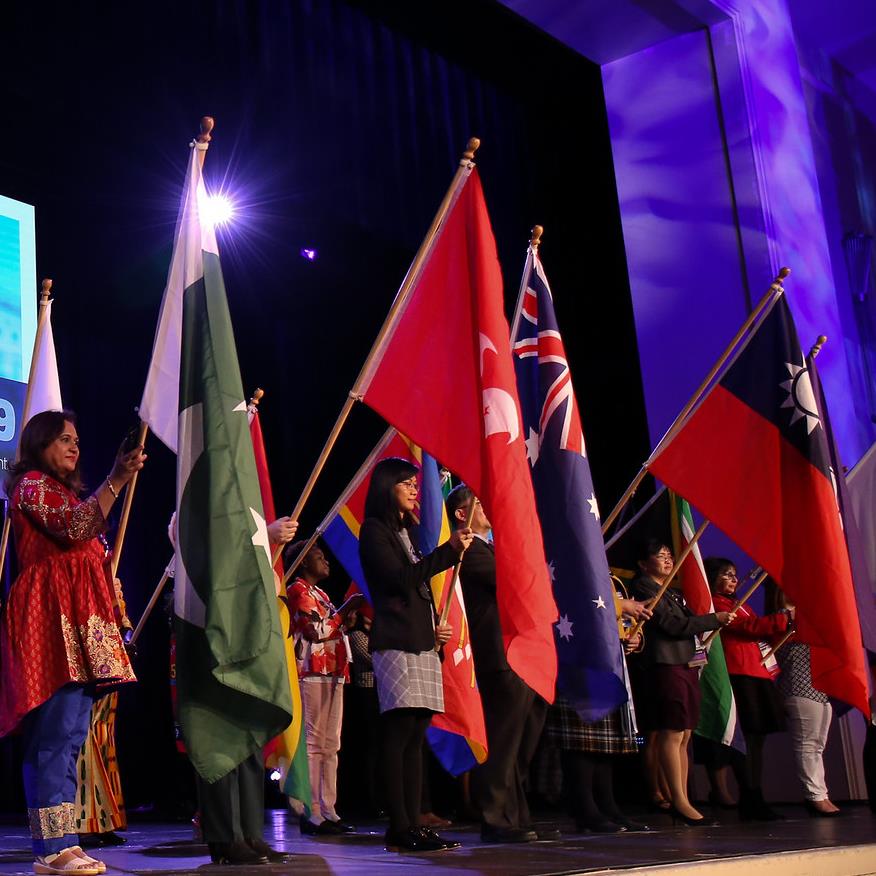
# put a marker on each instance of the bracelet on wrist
(112, 489)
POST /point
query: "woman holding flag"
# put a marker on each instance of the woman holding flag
(60, 636)
(404, 636)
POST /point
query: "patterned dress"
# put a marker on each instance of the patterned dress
(59, 626)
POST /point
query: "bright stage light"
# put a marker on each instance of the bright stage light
(309, 254)
(218, 210)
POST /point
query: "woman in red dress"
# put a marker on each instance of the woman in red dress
(59, 636)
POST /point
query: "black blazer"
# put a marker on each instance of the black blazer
(400, 590)
(669, 634)
(478, 579)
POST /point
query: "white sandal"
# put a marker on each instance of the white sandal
(81, 853)
(65, 863)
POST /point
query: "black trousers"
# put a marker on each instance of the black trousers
(514, 716)
(233, 809)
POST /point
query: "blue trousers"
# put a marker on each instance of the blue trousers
(53, 734)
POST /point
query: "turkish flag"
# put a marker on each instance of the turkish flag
(444, 377)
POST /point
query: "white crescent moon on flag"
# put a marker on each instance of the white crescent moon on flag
(500, 413)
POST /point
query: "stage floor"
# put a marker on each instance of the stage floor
(157, 848)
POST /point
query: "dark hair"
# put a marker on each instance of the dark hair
(715, 567)
(650, 546)
(457, 498)
(380, 501)
(291, 551)
(41, 430)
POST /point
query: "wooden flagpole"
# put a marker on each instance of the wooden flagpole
(534, 241)
(466, 165)
(168, 574)
(766, 657)
(454, 579)
(761, 577)
(45, 297)
(207, 125)
(760, 312)
(637, 627)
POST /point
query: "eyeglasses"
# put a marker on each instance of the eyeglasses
(663, 556)
(729, 575)
(410, 484)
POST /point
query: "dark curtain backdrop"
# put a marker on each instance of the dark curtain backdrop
(338, 127)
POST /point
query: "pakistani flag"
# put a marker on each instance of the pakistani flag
(232, 681)
(718, 707)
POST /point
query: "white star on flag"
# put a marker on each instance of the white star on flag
(599, 602)
(552, 571)
(564, 628)
(532, 445)
(260, 536)
(594, 508)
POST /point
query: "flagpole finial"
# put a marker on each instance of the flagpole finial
(535, 236)
(207, 124)
(471, 147)
(257, 396)
(820, 341)
(45, 290)
(783, 274)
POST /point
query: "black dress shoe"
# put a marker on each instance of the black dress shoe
(630, 825)
(429, 834)
(260, 847)
(545, 831)
(111, 838)
(412, 840)
(815, 812)
(599, 824)
(324, 828)
(236, 853)
(507, 834)
(341, 826)
(692, 822)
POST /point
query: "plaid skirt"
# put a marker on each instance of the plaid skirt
(608, 735)
(408, 681)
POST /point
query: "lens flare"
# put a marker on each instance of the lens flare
(218, 210)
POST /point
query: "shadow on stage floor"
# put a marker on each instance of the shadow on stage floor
(157, 848)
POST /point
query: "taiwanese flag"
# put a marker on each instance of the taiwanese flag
(754, 458)
(448, 353)
(590, 657)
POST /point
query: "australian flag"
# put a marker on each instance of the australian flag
(588, 647)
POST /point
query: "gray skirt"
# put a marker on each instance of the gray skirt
(408, 681)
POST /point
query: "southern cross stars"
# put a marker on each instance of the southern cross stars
(564, 628)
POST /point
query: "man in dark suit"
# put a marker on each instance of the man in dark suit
(514, 713)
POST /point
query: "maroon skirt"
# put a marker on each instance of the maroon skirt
(669, 698)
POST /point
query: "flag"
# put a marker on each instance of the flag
(589, 652)
(718, 706)
(232, 682)
(286, 752)
(753, 457)
(458, 736)
(44, 386)
(857, 545)
(448, 351)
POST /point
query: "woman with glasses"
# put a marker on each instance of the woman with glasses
(758, 704)
(404, 637)
(667, 676)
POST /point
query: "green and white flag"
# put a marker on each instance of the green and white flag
(232, 681)
(718, 707)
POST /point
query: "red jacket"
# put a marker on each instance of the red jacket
(740, 638)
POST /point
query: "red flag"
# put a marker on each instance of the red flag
(449, 351)
(261, 460)
(754, 459)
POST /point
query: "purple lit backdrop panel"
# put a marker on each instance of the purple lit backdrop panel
(679, 228)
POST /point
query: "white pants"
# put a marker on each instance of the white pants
(808, 724)
(323, 712)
